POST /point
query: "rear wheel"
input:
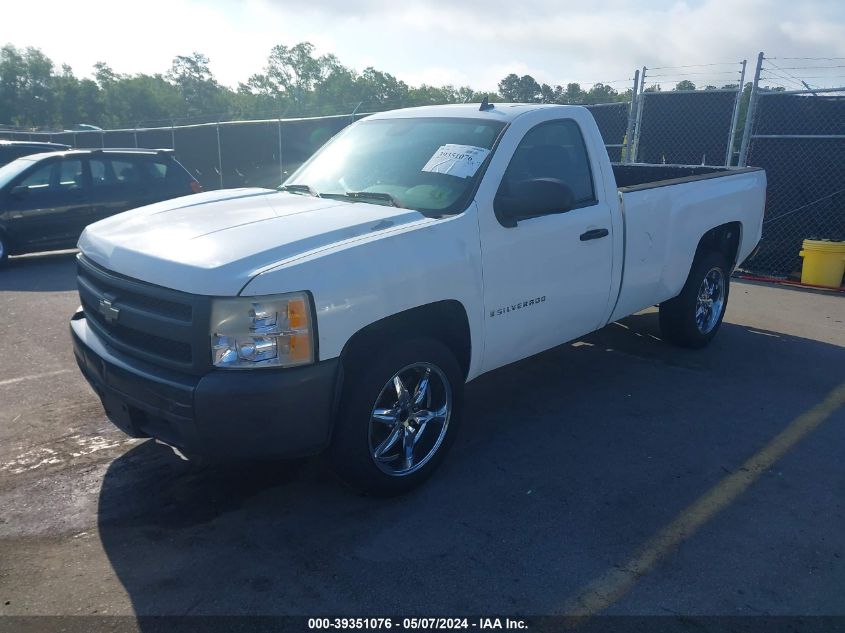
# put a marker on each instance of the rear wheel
(693, 317)
(398, 417)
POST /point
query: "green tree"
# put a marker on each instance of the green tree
(382, 88)
(12, 72)
(74, 101)
(291, 75)
(26, 91)
(549, 94)
(200, 93)
(686, 84)
(518, 89)
(601, 93)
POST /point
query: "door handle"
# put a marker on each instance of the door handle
(594, 234)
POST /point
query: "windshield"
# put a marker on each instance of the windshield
(426, 164)
(9, 171)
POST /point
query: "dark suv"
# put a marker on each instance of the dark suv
(46, 200)
(10, 150)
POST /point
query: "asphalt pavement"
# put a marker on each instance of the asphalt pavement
(569, 466)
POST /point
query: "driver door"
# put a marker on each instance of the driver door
(546, 280)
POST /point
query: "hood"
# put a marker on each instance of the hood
(213, 243)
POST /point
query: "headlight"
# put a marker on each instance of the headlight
(268, 331)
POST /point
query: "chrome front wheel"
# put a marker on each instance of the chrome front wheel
(409, 419)
(398, 415)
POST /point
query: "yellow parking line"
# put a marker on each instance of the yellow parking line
(607, 589)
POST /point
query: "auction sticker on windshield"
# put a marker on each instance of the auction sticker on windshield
(461, 161)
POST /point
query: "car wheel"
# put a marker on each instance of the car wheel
(398, 417)
(693, 318)
(4, 250)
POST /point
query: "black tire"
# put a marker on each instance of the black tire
(678, 322)
(4, 250)
(351, 453)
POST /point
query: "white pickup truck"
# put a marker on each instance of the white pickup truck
(415, 251)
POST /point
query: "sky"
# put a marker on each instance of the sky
(469, 42)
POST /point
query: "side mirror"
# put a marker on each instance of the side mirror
(19, 192)
(532, 198)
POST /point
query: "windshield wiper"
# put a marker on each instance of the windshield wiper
(300, 189)
(374, 195)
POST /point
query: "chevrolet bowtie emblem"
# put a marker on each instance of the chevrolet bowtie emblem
(109, 312)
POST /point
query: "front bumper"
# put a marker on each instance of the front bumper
(261, 413)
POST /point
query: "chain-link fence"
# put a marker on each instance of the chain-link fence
(263, 153)
(612, 120)
(227, 154)
(797, 134)
(688, 125)
(792, 129)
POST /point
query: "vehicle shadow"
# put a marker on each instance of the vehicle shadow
(43, 272)
(566, 462)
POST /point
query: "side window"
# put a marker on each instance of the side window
(554, 149)
(155, 170)
(70, 174)
(111, 173)
(126, 172)
(101, 172)
(38, 180)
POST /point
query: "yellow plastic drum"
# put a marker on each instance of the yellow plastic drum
(824, 263)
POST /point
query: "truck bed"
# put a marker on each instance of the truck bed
(666, 210)
(638, 176)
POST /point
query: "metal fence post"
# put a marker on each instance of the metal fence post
(749, 115)
(281, 164)
(632, 115)
(640, 105)
(219, 156)
(735, 117)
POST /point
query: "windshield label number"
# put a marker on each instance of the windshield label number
(461, 161)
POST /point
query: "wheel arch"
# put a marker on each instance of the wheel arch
(725, 238)
(446, 321)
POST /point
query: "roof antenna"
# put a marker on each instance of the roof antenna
(485, 105)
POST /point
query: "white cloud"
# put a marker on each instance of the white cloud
(436, 76)
(475, 42)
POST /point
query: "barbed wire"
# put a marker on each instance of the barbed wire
(833, 59)
(801, 81)
(693, 65)
(809, 67)
(706, 74)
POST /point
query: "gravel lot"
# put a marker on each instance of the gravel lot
(567, 465)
